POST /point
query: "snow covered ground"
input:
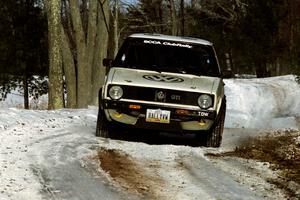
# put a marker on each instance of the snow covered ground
(55, 155)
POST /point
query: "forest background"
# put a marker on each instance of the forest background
(57, 46)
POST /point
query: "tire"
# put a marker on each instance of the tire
(102, 128)
(214, 137)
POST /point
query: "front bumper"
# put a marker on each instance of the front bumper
(134, 114)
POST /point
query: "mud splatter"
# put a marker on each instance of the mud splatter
(130, 174)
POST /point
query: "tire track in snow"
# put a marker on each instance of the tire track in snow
(185, 171)
(216, 183)
(64, 174)
(53, 164)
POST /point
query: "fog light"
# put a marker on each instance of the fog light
(182, 112)
(202, 123)
(135, 107)
(118, 115)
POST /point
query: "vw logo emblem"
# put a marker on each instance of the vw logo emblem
(163, 78)
(160, 95)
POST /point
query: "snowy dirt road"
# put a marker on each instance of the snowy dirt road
(55, 155)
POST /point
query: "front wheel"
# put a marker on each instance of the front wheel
(102, 128)
(214, 137)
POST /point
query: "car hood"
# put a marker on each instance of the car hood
(164, 80)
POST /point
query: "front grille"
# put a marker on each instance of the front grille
(160, 95)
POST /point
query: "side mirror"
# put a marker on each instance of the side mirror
(107, 62)
(227, 73)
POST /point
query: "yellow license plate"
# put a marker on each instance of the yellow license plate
(158, 116)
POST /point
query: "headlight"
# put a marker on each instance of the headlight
(115, 92)
(205, 101)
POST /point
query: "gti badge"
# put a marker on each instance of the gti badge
(176, 97)
(160, 96)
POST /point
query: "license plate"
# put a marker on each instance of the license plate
(158, 116)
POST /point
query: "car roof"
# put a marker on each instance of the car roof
(171, 38)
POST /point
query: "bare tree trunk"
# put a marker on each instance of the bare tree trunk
(55, 64)
(160, 16)
(182, 17)
(278, 67)
(228, 61)
(261, 68)
(292, 32)
(69, 70)
(116, 27)
(173, 18)
(26, 93)
(101, 49)
(113, 38)
(84, 11)
(83, 69)
(91, 42)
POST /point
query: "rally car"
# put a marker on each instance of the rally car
(164, 83)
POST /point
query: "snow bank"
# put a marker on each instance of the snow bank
(16, 99)
(13, 99)
(262, 103)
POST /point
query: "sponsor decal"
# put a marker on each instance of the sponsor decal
(166, 43)
(203, 114)
(163, 78)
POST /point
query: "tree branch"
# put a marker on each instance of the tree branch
(105, 18)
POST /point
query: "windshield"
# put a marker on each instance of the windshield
(167, 56)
